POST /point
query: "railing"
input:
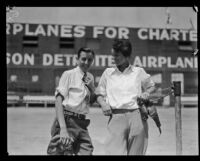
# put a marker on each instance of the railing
(191, 100)
(12, 100)
(38, 100)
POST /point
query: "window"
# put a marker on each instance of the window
(13, 78)
(178, 77)
(66, 42)
(191, 82)
(30, 41)
(185, 45)
(34, 84)
(35, 78)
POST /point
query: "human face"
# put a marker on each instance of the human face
(119, 58)
(85, 60)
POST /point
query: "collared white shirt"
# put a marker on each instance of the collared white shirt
(74, 91)
(121, 89)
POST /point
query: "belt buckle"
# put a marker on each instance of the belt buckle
(79, 116)
(76, 115)
(68, 113)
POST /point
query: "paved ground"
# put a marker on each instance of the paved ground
(28, 131)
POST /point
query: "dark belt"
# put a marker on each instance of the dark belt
(118, 111)
(79, 116)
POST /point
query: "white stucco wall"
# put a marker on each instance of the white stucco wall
(109, 16)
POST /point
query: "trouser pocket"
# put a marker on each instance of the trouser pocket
(79, 122)
(55, 128)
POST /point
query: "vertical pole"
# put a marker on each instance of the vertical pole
(177, 94)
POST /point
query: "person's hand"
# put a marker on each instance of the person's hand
(65, 139)
(87, 80)
(88, 83)
(106, 110)
(144, 95)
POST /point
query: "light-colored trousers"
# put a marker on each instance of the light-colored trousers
(128, 134)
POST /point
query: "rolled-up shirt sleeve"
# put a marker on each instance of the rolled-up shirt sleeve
(63, 85)
(146, 79)
(101, 88)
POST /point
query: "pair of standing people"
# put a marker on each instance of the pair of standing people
(116, 93)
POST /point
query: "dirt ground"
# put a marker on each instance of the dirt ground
(28, 131)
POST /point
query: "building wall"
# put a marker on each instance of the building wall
(37, 54)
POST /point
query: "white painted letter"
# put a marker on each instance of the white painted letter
(40, 30)
(161, 60)
(97, 30)
(7, 29)
(17, 28)
(164, 35)
(123, 33)
(137, 62)
(66, 31)
(27, 32)
(58, 59)
(174, 35)
(17, 58)
(152, 62)
(79, 31)
(28, 58)
(179, 63)
(110, 32)
(47, 59)
(155, 34)
(183, 32)
(7, 58)
(188, 62)
(52, 29)
(193, 35)
(143, 37)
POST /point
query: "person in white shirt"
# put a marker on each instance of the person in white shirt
(117, 93)
(74, 95)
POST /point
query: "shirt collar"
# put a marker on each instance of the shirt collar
(130, 67)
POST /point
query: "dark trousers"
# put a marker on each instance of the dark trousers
(77, 129)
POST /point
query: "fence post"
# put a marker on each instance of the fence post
(177, 94)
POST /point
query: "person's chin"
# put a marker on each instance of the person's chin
(116, 63)
(85, 69)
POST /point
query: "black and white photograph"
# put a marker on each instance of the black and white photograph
(102, 81)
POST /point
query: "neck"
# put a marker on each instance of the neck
(122, 67)
(82, 70)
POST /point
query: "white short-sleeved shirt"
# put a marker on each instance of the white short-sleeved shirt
(75, 93)
(121, 89)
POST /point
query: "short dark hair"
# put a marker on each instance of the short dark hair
(85, 49)
(123, 46)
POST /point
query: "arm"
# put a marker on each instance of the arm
(61, 92)
(147, 92)
(105, 107)
(59, 111)
(148, 85)
(101, 94)
(64, 135)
